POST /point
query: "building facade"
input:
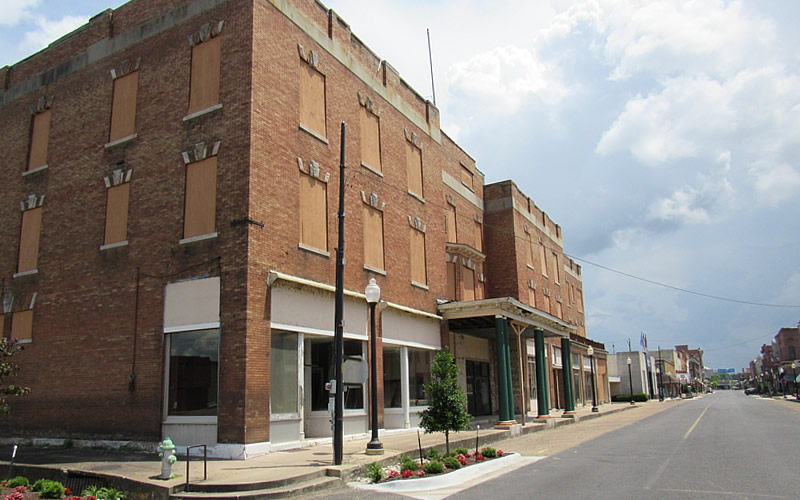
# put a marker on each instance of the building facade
(172, 183)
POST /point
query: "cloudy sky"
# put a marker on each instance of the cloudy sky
(663, 136)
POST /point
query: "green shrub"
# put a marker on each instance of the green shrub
(451, 463)
(110, 494)
(374, 472)
(51, 489)
(434, 454)
(18, 481)
(37, 486)
(434, 467)
(91, 491)
(461, 451)
(624, 398)
(407, 463)
(489, 452)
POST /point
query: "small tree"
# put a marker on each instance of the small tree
(8, 347)
(446, 400)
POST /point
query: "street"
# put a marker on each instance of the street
(723, 445)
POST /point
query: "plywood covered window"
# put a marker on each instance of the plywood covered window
(556, 270)
(204, 91)
(531, 297)
(543, 259)
(467, 178)
(546, 304)
(419, 273)
(370, 140)
(373, 238)
(414, 167)
(29, 240)
(313, 210)
(580, 301)
(559, 311)
(2, 326)
(200, 207)
(117, 198)
(467, 283)
(40, 136)
(22, 325)
(451, 281)
(450, 220)
(123, 107)
(312, 100)
(529, 251)
(478, 236)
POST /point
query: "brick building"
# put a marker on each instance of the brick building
(169, 230)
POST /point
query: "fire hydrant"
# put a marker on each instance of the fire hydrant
(168, 458)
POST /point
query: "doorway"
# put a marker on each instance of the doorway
(479, 401)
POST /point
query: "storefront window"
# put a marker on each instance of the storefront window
(353, 373)
(419, 373)
(193, 373)
(392, 391)
(283, 373)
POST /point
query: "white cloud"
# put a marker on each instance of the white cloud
(693, 205)
(14, 10)
(506, 77)
(48, 31)
(776, 183)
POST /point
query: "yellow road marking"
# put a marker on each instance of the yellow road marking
(696, 422)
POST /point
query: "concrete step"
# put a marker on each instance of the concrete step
(212, 487)
(283, 491)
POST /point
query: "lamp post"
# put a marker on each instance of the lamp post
(630, 377)
(373, 294)
(783, 386)
(794, 375)
(590, 353)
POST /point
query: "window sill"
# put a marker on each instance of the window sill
(202, 237)
(117, 244)
(415, 195)
(284, 417)
(314, 250)
(202, 112)
(35, 170)
(471, 189)
(312, 133)
(122, 140)
(180, 419)
(25, 341)
(530, 267)
(372, 169)
(374, 270)
(26, 273)
(419, 285)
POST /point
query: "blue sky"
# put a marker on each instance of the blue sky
(663, 136)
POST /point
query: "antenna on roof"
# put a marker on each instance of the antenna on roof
(430, 58)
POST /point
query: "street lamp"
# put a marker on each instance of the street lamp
(783, 385)
(590, 353)
(630, 377)
(373, 294)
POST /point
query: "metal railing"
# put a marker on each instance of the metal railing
(205, 462)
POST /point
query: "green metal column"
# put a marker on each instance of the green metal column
(542, 402)
(509, 377)
(566, 362)
(502, 367)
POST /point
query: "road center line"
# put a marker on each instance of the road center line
(695, 423)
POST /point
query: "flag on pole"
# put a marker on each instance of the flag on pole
(643, 341)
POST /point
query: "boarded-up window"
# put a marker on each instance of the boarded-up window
(22, 325)
(414, 167)
(123, 107)
(451, 281)
(201, 198)
(39, 139)
(204, 91)
(312, 99)
(556, 270)
(580, 301)
(313, 210)
(117, 198)
(467, 283)
(418, 269)
(529, 251)
(531, 297)
(478, 236)
(543, 260)
(2, 326)
(450, 216)
(467, 178)
(370, 140)
(559, 312)
(546, 304)
(29, 240)
(373, 238)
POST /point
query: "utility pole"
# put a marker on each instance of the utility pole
(338, 324)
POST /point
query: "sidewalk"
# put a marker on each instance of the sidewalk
(279, 469)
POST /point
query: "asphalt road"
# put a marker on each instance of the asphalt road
(724, 445)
